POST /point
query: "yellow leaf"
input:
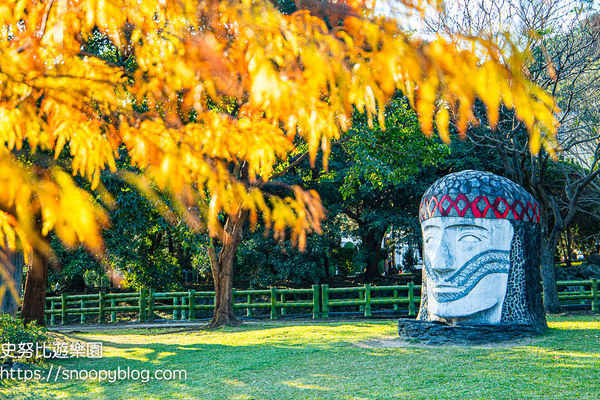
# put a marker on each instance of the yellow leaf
(441, 121)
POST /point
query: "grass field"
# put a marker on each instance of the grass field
(334, 360)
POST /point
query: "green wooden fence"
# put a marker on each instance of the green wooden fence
(365, 297)
(319, 301)
(148, 305)
(583, 292)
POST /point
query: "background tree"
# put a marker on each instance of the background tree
(219, 91)
(375, 182)
(562, 38)
(370, 179)
(375, 173)
(266, 262)
(142, 248)
(580, 232)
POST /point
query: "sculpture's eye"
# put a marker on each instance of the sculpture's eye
(429, 239)
(469, 238)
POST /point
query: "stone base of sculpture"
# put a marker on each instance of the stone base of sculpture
(438, 333)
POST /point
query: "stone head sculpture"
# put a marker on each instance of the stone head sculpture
(480, 252)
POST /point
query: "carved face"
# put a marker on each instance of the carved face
(467, 261)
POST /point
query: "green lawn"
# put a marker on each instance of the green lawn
(332, 361)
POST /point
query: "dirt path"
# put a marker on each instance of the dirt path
(125, 325)
(199, 324)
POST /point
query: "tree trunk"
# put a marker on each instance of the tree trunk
(569, 253)
(549, 241)
(34, 296)
(171, 246)
(326, 267)
(222, 272)
(563, 248)
(12, 265)
(372, 246)
(551, 302)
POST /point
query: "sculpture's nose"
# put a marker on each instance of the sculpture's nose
(443, 259)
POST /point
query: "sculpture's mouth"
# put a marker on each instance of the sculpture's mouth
(445, 288)
(443, 292)
(462, 281)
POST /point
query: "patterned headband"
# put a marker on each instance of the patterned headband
(477, 194)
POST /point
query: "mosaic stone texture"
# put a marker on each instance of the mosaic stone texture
(479, 195)
(435, 333)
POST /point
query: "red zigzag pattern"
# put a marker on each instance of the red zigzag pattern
(479, 208)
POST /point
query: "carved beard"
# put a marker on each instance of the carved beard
(469, 275)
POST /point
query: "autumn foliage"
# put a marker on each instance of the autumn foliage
(216, 87)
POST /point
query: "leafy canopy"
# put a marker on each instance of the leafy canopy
(213, 90)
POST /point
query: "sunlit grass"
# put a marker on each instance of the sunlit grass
(334, 361)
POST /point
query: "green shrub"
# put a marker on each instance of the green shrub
(14, 331)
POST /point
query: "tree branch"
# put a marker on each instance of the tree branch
(290, 166)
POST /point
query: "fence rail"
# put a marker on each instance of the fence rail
(365, 297)
(319, 302)
(273, 303)
(582, 293)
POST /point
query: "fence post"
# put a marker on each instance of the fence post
(63, 309)
(325, 297)
(82, 316)
(249, 309)
(184, 312)
(142, 312)
(113, 313)
(175, 311)
(273, 302)
(315, 301)
(151, 306)
(367, 300)
(283, 312)
(411, 299)
(191, 305)
(361, 296)
(52, 316)
(233, 299)
(594, 294)
(101, 304)
(396, 307)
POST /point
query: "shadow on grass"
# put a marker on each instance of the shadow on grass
(208, 369)
(322, 363)
(584, 335)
